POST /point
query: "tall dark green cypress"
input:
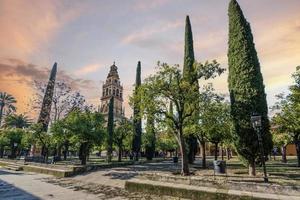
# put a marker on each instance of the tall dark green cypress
(188, 69)
(136, 144)
(44, 116)
(189, 57)
(246, 88)
(110, 128)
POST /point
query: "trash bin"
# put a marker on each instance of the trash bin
(220, 166)
(175, 159)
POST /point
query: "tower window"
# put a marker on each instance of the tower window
(106, 91)
(109, 91)
(117, 92)
(114, 92)
(121, 94)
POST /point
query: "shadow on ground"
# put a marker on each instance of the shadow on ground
(131, 171)
(10, 192)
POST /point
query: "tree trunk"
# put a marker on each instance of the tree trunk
(297, 143)
(150, 150)
(228, 153)
(216, 151)
(203, 154)
(222, 153)
(192, 147)
(66, 149)
(283, 154)
(13, 151)
(1, 113)
(83, 153)
(1, 151)
(44, 153)
(55, 151)
(252, 171)
(83, 161)
(80, 152)
(120, 154)
(59, 152)
(184, 157)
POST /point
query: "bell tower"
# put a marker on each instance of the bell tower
(112, 87)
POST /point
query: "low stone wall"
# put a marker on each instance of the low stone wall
(51, 171)
(4, 163)
(72, 171)
(185, 191)
(39, 169)
(88, 168)
(225, 185)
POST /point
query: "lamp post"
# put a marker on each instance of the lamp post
(256, 124)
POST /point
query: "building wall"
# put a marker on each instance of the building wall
(291, 150)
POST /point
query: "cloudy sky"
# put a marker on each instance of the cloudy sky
(85, 37)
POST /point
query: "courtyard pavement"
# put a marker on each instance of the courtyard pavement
(103, 184)
(106, 184)
(30, 186)
(118, 176)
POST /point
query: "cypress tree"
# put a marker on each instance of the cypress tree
(110, 128)
(189, 59)
(136, 144)
(246, 88)
(44, 116)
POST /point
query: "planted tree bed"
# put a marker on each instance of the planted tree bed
(284, 178)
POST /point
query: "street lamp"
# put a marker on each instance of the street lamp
(256, 124)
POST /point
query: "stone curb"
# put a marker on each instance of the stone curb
(196, 192)
(42, 170)
(229, 185)
(76, 170)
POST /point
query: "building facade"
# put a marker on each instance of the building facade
(112, 88)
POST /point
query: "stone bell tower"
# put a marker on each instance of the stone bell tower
(112, 87)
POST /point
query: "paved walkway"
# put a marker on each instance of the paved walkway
(29, 186)
(118, 176)
(105, 184)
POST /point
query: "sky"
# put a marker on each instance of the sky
(86, 37)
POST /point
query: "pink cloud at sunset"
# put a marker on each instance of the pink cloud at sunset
(84, 38)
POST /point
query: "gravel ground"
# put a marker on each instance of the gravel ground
(102, 191)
